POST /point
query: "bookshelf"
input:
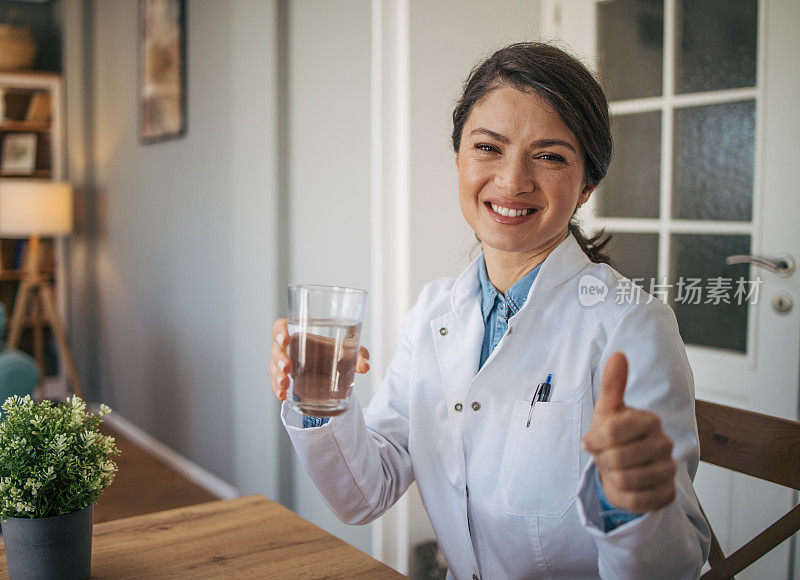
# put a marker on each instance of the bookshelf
(31, 147)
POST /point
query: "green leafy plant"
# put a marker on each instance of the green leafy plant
(53, 459)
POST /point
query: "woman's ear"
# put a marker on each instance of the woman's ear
(586, 193)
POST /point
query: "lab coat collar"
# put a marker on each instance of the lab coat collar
(467, 286)
(562, 264)
(566, 260)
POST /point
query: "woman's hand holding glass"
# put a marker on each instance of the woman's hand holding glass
(280, 365)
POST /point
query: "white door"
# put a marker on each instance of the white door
(705, 98)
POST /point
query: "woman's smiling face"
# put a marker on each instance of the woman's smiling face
(520, 172)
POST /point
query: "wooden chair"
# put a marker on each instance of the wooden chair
(758, 445)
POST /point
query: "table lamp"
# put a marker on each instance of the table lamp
(32, 209)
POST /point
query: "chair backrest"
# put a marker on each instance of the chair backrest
(759, 445)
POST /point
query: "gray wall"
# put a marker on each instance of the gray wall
(192, 251)
(186, 252)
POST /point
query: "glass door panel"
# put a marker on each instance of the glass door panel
(716, 45)
(684, 162)
(631, 187)
(714, 160)
(710, 299)
(631, 47)
(635, 256)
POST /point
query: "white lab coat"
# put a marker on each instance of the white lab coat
(508, 501)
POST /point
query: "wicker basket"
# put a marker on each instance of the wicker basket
(17, 47)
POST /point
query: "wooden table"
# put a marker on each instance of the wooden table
(247, 537)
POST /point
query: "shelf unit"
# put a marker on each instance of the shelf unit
(18, 91)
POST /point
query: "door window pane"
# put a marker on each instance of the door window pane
(716, 315)
(714, 159)
(635, 256)
(716, 45)
(631, 47)
(631, 187)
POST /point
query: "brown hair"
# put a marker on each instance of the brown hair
(568, 87)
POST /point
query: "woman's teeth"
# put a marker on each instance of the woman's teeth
(504, 211)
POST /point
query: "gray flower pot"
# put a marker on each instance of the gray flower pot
(59, 547)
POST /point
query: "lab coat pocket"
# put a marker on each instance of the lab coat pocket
(540, 468)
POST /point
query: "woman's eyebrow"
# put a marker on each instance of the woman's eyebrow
(505, 140)
(551, 142)
(493, 134)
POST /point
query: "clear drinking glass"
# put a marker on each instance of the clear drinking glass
(324, 334)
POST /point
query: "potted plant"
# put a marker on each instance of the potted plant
(54, 464)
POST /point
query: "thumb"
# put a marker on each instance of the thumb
(612, 388)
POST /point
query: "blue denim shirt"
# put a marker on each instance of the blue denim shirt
(497, 308)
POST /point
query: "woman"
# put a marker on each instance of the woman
(597, 480)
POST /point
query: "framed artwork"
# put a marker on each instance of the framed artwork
(162, 70)
(19, 154)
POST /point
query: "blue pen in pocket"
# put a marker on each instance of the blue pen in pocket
(542, 393)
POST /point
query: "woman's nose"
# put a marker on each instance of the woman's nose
(514, 176)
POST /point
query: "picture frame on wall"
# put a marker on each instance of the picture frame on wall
(162, 70)
(19, 154)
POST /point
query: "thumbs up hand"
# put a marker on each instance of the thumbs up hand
(632, 453)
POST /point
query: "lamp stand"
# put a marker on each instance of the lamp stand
(37, 287)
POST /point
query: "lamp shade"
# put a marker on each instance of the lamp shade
(29, 207)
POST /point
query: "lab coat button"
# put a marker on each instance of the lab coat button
(510, 330)
(458, 406)
(476, 406)
(443, 331)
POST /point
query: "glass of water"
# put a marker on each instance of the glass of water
(324, 336)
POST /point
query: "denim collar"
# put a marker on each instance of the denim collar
(514, 297)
